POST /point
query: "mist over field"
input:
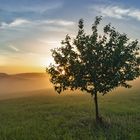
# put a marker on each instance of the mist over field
(28, 84)
(17, 85)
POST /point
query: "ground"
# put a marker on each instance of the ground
(49, 116)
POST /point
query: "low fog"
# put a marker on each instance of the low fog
(22, 84)
(28, 84)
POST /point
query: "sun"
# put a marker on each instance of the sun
(46, 61)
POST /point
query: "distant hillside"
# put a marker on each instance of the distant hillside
(3, 75)
(29, 75)
(23, 82)
(23, 75)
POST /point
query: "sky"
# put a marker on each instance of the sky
(29, 29)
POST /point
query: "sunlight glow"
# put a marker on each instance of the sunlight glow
(46, 61)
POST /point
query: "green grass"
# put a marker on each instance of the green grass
(71, 117)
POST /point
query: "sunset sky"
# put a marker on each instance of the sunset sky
(29, 29)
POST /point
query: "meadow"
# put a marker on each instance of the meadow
(49, 116)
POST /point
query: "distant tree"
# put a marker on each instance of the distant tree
(95, 63)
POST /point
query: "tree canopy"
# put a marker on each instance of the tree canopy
(95, 63)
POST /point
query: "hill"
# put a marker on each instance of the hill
(23, 75)
(9, 84)
(3, 75)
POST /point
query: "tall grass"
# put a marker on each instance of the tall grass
(70, 117)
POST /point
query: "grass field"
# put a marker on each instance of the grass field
(46, 116)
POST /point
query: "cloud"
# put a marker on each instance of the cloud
(51, 42)
(117, 11)
(60, 22)
(135, 14)
(15, 23)
(25, 22)
(12, 47)
(25, 30)
(18, 22)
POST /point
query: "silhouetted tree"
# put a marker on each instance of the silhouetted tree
(95, 63)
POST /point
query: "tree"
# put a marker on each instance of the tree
(95, 63)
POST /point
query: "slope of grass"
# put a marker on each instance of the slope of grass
(71, 117)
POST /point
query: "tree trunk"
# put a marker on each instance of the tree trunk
(96, 107)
